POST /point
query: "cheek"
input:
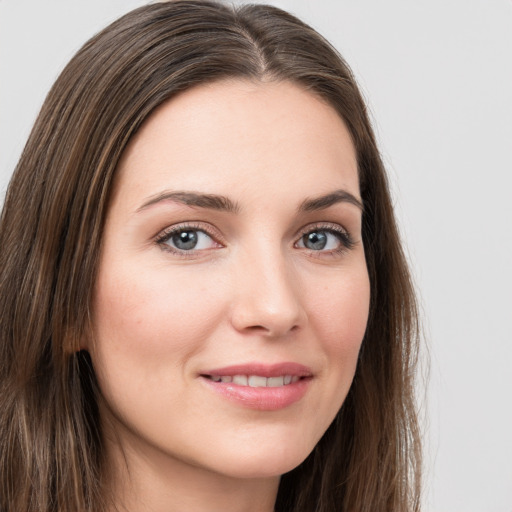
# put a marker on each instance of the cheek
(147, 320)
(340, 315)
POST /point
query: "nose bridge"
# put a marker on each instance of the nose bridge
(268, 296)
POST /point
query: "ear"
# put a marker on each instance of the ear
(84, 341)
(83, 345)
(75, 341)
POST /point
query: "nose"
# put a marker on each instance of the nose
(267, 301)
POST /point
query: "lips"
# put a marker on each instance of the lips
(263, 370)
(259, 386)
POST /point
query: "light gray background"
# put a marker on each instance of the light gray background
(438, 77)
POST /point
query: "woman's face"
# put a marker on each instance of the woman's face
(232, 294)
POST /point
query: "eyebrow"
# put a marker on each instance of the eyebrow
(224, 204)
(209, 201)
(327, 200)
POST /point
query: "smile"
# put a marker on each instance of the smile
(260, 387)
(255, 381)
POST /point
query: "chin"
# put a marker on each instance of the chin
(264, 463)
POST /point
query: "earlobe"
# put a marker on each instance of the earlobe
(75, 342)
(83, 345)
(84, 342)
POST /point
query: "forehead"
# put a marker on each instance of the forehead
(240, 136)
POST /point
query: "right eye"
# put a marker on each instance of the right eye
(186, 239)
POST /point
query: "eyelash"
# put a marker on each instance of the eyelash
(345, 239)
(168, 233)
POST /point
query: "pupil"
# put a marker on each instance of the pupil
(316, 241)
(185, 240)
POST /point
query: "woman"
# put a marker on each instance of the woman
(205, 305)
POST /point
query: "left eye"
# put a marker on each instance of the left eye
(321, 240)
(188, 240)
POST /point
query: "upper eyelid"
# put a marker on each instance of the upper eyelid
(191, 226)
(326, 225)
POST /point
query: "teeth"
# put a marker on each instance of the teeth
(274, 382)
(256, 381)
(240, 380)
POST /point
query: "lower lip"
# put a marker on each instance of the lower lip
(261, 398)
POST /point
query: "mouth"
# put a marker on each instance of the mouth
(260, 387)
(255, 381)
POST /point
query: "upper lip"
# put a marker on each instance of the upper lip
(262, 369)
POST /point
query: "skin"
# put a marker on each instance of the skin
(253, 290)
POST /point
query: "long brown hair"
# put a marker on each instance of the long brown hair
(50, 236)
